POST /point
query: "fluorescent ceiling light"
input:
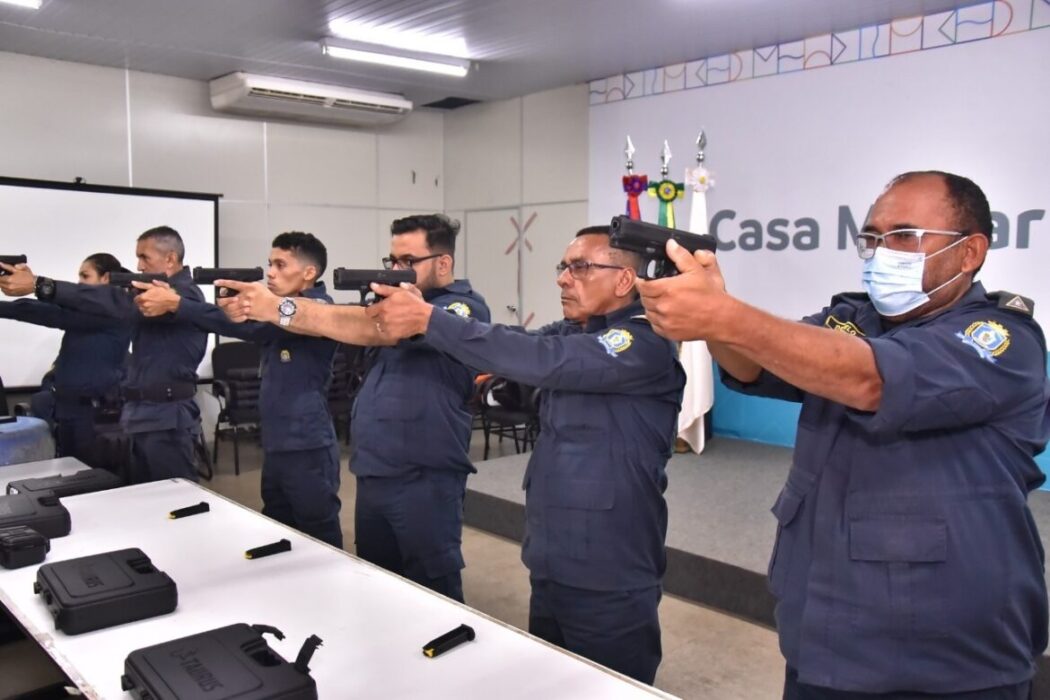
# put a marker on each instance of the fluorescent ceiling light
(442, 45)
(32, 4)
(354, 52)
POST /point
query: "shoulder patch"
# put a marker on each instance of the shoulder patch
(1014, 302)
(844, 326)
(459, 308)
(988, 338)
(616, 341)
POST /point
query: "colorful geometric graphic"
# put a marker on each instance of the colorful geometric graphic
(987, 20)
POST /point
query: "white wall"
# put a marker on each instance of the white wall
(62, 120)
(516, 175)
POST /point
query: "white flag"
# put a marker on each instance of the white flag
(699, 394)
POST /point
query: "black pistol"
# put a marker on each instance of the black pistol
(361, 280)
(650, 242)
(124, 279)
(12, 260)
(208, 275)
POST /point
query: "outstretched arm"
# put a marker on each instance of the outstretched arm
(745, 340)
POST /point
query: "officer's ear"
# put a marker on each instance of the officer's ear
(445, 264)
(975, 248)
(310, 273)
(625, 282)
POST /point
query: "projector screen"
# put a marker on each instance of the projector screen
(56, 225)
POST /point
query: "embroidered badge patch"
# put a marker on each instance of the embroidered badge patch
(459, 308)
(286, 356)
(988, 338)
(844, 326)
(616, 341)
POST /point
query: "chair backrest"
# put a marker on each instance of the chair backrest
(4, 411)
(234, 356)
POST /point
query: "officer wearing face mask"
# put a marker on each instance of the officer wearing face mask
(907, 561)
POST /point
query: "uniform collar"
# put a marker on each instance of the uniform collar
(315, 292)
(182, 275)
(597, 323)
(461, 287)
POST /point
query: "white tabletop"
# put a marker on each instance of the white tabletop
(373, 624)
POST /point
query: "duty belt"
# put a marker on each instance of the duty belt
(161, 392)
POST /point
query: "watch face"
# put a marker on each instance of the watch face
(287, 307)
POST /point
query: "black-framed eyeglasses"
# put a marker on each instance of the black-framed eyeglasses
(581, 269)
(406, 262)
(903, 239)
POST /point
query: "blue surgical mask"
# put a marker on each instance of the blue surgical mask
(893, 280)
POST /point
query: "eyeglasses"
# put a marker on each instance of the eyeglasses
(581, 269)
(902, 239)
(406, 262)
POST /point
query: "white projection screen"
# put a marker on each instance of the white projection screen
(56, 225)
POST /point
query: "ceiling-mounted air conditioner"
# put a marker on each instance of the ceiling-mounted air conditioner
(261, 95)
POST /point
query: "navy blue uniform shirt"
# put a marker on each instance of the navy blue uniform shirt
(611, 391)
(906, 556)
(91, 358)
(411, 412)
(165, 351)
(296, 373)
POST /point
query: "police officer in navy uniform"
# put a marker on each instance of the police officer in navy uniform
(410, 424)
(90, 363)
(596, 518)
(300, 474)
(160, 414)
(907, 561)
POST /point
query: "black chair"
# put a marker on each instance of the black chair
(236, 386)
(348, 373)
(509, 409)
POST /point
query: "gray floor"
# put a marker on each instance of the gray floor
(707, 654)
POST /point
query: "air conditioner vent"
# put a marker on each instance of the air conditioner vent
(265, 96)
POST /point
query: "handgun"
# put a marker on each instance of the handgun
(361, 280)
(650, 242)
(11, 260)
(124, 279)
(208, 275)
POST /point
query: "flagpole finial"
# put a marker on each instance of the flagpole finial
(701, 143)
(629, 152)
(665, 159)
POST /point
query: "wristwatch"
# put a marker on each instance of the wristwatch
(45, 288)
(287, 311)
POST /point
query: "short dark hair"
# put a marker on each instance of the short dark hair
(305, 246)
(104, 263)
(167, 239)
(968, 201)
(441, 231)
(625, 257)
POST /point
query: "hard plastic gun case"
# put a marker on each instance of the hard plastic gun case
(21, 546)
(83, 481)
(228, 662)
(42, 512)
(103, 590)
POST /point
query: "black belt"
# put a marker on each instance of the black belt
(161, 392)
(81, 397)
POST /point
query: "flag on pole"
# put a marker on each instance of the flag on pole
(699, 394)
(633, 185)
(667, 191)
